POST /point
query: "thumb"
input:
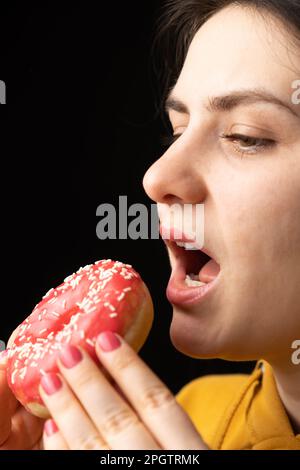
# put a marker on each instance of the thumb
(3, 359)
(7, 400)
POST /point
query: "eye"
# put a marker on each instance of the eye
(243, 144)
(247, 144)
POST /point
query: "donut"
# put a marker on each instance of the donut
(106, 295)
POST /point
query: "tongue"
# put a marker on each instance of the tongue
(209, 271)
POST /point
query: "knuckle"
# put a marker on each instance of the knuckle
(91, 443)
(83, 380)
(157, 397)
(118, 420)
(123, 361)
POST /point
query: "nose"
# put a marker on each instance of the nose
(175, 178)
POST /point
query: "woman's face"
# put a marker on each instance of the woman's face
(250, 188)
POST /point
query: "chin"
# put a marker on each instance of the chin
(200, 339)
(191, 338)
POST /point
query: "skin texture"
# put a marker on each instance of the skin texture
(252, 204)
(252, 199)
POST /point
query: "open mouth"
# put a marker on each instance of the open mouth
(194, 273)
(194, 266)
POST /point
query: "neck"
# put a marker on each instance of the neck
(287, 378)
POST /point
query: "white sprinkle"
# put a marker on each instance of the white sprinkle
(87, 267)
(23, 372)
(90, 310)
(13, 376)
(74, 282)
(113, 315)
(121, 297)
(22, 337)
(84, 304)
(48, 293)
(55, 314)
(43, 331)
(64, 304)
(42, 372)
(127, 289)
(90, 342)
(82, 334)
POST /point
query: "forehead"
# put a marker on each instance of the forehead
(239, 48)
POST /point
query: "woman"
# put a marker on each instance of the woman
(236, 119)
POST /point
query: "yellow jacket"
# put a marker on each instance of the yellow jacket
(239, 411)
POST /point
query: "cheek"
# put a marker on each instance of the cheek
(260, 221)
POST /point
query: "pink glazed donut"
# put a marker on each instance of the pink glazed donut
(107, 295)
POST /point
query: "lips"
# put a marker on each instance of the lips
(194, 271)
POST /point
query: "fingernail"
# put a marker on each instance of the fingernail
(51, 383)
(70, 356)
(50, 427)
(108, 341)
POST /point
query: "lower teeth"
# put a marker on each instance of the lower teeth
(192, 280)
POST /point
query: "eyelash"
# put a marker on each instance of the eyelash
(259, 144)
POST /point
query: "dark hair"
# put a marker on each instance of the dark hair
(179, 20)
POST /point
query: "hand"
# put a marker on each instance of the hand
(19, 430)
(90, 413)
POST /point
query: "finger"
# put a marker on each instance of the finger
(152, 400)
(6, 401)
(115, 420)
(75, 426)
(26, 430)
(13, 402)
(52, 437)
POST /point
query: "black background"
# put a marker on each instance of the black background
(81, 129)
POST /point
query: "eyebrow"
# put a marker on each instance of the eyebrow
(229, 101)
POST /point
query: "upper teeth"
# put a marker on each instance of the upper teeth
(186, 246)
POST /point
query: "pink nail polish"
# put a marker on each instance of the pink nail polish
(51, 383)
(50, 427)
(70, 356)
(108, 341)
